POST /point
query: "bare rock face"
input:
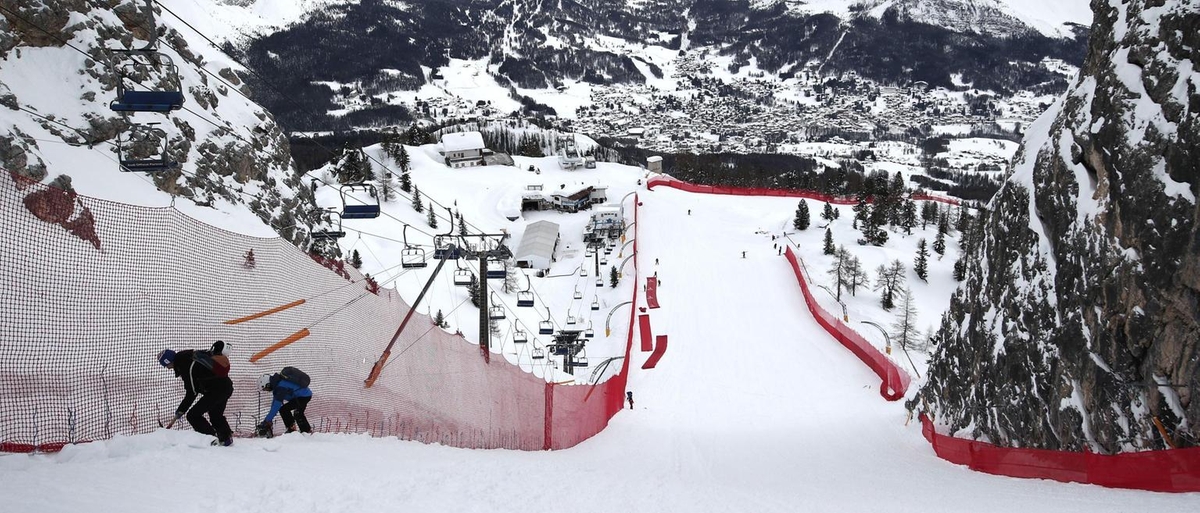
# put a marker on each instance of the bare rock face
(223, 141)
(1079, 322)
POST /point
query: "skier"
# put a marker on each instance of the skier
(655, 261)
(689, 211)
(629, 396)
(743, 254)
(288, 386)
(204, 373)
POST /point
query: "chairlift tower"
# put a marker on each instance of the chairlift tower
(490, 246)
(568, 345)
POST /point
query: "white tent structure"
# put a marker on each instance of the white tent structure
(537, 245)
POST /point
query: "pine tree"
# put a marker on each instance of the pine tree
(963, 220)
(405, 182)
(473, 289)
(462, 225)
(904, 329)
(431, 219)
(939, 245)
(613, 277)
(802, 220)
(908, 216)
(439, 320)
(929, 213)
(840, 270)
(829, 214)
(386, 185)
(829, 249)
(355, 260)
(416, 200)
(960, 269)
(402, 159)
(921, 264)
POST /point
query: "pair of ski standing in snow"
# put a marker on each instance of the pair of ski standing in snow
(206, 374)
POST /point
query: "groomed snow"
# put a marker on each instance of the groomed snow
(753, 408)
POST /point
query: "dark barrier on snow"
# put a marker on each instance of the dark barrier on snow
(1174, 470)
(94, 289)
(757, 191)
(895, 381)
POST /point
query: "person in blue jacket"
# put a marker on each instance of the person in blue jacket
(289, 399)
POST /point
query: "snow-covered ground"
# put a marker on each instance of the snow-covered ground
(753, 408)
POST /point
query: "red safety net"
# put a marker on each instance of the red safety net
(895, 380)
(785, 193)
(94, 289)
(660, 348)
(1175, 470)
(652, 292)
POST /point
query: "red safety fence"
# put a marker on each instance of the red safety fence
(660, 348)
(1175, 470)
(94, 289)
(895, 380)
(652, 292)
(644, 328)
(673, 183)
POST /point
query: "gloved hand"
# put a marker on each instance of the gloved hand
(264, 430)
(179, 414)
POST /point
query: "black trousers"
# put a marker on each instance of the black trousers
(212, 402)
(292, 413)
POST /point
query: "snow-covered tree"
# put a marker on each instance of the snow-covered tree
(921, 263)
(904, 329)
(802, 220)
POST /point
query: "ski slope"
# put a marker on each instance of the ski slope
(753, 408)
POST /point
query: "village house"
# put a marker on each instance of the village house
(463, 149)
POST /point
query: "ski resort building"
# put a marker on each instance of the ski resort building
(537, 247)
(463, 149)
(569, 157)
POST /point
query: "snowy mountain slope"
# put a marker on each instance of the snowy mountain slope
(1077, 277)
(753, 407)
(234, 159)
(1050, 18)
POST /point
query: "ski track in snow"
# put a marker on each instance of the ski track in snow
(753, 408)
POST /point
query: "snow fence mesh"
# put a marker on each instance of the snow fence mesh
(92, 290)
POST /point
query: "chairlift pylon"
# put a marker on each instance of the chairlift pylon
(132, 164)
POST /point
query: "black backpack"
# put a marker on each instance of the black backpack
(296, 376)
(218, 363)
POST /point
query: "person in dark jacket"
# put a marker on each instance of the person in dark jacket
(289, 400)
(206, 375)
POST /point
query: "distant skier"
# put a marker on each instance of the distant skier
(655, 261)
(288, 386)
(780, 253)
(204, 373)
(629, 397)
(689, 211)
(743, 254)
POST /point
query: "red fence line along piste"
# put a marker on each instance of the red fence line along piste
(1173, 470)
(673, 183)
(895, 380)
(94, 289)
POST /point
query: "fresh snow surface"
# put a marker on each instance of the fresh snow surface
(753, 407)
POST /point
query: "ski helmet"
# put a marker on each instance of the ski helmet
(166, 357)
(264, 382)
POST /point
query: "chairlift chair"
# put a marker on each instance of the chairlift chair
(166, 98)
(496, 312)
(520, 337)
(444, 249)
(411, 257)
(538, 353)
(524, 299)
(595, 304)
(151, 165)
(496, 274)
(370, 210)
(583, 272)
(599, 282)
(578, 294)
(462, 276)
(333, 233)
(581, 359)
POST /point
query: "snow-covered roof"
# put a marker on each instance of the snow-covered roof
(655, 158)
(538, 241)
(462, 141)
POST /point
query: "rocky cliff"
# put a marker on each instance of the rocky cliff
(58, 72)
(1078, 324)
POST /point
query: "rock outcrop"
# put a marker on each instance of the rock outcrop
(1078, 324)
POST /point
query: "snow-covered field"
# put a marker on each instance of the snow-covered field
(753, 408)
